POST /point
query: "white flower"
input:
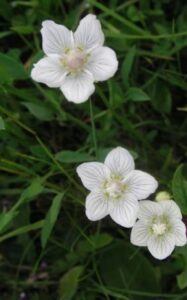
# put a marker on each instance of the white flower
(74, 61)
(159, 227)
(115, 187)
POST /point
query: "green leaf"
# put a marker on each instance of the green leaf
(95, 242)
(72, 156)
(179, 187)
(137, 95)
(11, 69)
(40, 111)
(69, 283)
(127, 65)
(182, 280)
(122, 266)
(2, 124)
(51, 218)
(161, 98)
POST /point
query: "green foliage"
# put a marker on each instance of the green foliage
(40, 111)
(127, 65)
(2, 124)
(132, 270)
(48, 248)
(10, 69)
(179, 187)
(51, 218)
(69, 283)
(95, 242)
(73, 156)
(136, 94)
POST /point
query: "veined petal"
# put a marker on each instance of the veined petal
(49, 70)
(93, 174)
(96, 206)
(139, 234)
(124, 211)
(102, 63)
(120, 161)
(148, 209)
(179, 230)
(141, 184)
(161, 246)
(89, 33)
(78, 88)
(171, 208)
(55, 38)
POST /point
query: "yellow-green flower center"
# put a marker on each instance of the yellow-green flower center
(159, 228)
(114, 188)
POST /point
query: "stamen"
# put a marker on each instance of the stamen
(159, 228)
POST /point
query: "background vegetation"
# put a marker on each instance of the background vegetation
(48, 249)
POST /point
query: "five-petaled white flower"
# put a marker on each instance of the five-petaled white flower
(115, 187)
(159, 227)
(74, 61)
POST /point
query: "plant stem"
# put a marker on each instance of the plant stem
(93, 129)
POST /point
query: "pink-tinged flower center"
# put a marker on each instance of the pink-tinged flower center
(74, 60)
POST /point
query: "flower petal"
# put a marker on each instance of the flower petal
(120, 161)
(148, 209)
(124, 212)
(179, 229)
(78, 88)
(89, 33)
(161, 246)
(96, 206)
(48, 70)
(93, 174)
(55, 38)
(102, 63)
(139, 234)
(171, 208)
(141, 184)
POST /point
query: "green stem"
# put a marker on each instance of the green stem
(93, 129)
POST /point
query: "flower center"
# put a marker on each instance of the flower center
(159, 228)
(114, 188)
(74, 60)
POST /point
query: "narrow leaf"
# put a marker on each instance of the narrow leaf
(34, 189)
(22, 230)
(51, 219)
(127, 65)
(72, 156)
